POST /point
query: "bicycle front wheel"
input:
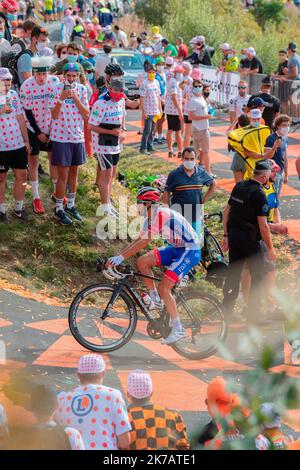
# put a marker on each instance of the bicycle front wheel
(202, 317)
(88, 326)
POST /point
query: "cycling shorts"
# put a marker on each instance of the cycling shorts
(180, 261)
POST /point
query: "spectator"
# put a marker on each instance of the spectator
(186, 98)
(282, 128)
(73, 51)
(198, 114)
(252, 64)
(259, 104)
(69, 23)
(46, 434)
(232, 63)
(225, 49)
(34, 96)
(174, 111)
(8, 12)
(89, 71)
(292, 72)
(4, 431)
(283, 64)
(151, 106)
(245, 225)
(182, 48)
(132, 41)
(5, 47)
(169, 49)
(61, 51)
(271, 103)
(105, 16)
(169, 69)
(184, 190)
(14, 147)
(158, 48)
(19, 44)
(108, 135)
(238, 166)
(110, 37)
(202, 54)
(272, 427)
(39, 40)
(238, 104)
(96, 411)
(154, 427)
(161, 78)
(103, 60)
(78, 31)
(69, 108)
(121, 37)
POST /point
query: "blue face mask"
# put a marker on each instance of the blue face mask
(255, 124)
(90, 76)
(243, 56)
(179, 77)
(229, 56)
(1, 35)
(72, 58)
(197, 90)
(11, 17)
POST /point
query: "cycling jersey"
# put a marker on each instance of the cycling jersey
(238, 104)
(272, 199)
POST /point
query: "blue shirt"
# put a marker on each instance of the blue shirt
(279, 156)
(294, 62)
(187, 190)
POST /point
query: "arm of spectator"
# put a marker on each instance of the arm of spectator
(123, 441)
(292, 73)
(211, 190)
(286, 168)
(266, 236)
(232, 117)
(193, 116)
(166, 198)
(23, 127)
(177, 106)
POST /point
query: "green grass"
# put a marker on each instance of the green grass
(44, 256)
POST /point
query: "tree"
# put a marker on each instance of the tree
(153, 11)
(266, 11)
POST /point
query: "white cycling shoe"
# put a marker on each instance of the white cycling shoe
(174, 336)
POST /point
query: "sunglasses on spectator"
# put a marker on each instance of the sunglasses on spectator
(242, 87)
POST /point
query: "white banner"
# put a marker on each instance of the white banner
(224, 85)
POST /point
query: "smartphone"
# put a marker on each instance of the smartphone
(67, 87)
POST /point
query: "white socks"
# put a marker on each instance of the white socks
(35, 189)
(59, 205)
(70, 200)
(176, 324)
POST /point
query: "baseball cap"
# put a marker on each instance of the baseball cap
(250, 50)
(71, 67)
(92, 51)
(219, 400)
(292, 46)
(257, 102)
(194, 40)
(169, 61)
(5, 74)
(91, 364)
(87, 66)
(255, 114)
(263, 165)
(11, 5)
(117, 83)
(200, 38)
(139, 384)
(160, 60)
(225, 46)
(196, 74)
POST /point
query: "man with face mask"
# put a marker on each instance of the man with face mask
(73, 51)
(245, 225)
(35, 94)
(69, 108)
(151, 107)
(272, 104)
(107, 122)
(282, 126)
(39, 40)
(174, 111)
(19, 44)
(238, 104)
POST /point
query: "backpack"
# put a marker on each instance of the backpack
(17, 46)
(13, 67)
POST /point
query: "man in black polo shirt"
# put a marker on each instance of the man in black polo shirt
(245, 226)
(184, 189)
(272, 104)
(251, 64)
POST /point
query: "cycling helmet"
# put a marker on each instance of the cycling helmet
(113, 69)
(148, 194)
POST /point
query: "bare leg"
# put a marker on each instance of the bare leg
(170, 140)
(144, 265)
(178, 135)
(19, 184)
(187, 135)
(165, 291)
(104, 178)
(206, 161)
(2, 187)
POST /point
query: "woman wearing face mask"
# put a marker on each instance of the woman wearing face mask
(5, 47)
(282, 126)
(107, 122)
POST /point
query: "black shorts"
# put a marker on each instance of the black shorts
(174, 123)
(16, 159)
(186, 120)
(106, 161)
(36, 145)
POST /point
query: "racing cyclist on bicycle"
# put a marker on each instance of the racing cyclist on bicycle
(180, 256)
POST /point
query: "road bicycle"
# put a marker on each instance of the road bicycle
(103, 317)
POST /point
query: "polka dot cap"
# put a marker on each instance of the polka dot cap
(139, 384)
(91, 364)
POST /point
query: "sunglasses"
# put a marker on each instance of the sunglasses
(242, 87)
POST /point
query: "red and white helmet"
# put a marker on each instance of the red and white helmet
(148, 194)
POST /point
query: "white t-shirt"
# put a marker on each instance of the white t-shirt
(10, 133)
(173, 89)
(102, 61)
(199, 106)
(122, 38)
(97, 412)
(35, 98)
(69, 127)
(150, 91)
(69, 23)
(107, 112)
(238, 104)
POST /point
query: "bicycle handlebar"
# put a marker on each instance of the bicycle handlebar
(214, 214)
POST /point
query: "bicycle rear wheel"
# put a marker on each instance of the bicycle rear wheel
(88, 327)
(202, 316)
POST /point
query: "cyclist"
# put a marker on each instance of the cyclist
(180, 256)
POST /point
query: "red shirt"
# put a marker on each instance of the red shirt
(183, 52)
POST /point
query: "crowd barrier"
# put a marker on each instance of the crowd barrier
(224, 87)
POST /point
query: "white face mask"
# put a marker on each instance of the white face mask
(189, 164)
(284, 130)
(40, 46)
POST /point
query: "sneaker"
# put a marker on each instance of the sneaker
(171, 155)
(144, 152)
(73, 212)
(160, 142)
(155, 305)
(62, 217)
(38, 207)
(179, 155)
(174, 336)
(151, 149)
(3, 218)
(21, 215)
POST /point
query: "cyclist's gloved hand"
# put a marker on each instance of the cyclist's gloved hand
(116, 260)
